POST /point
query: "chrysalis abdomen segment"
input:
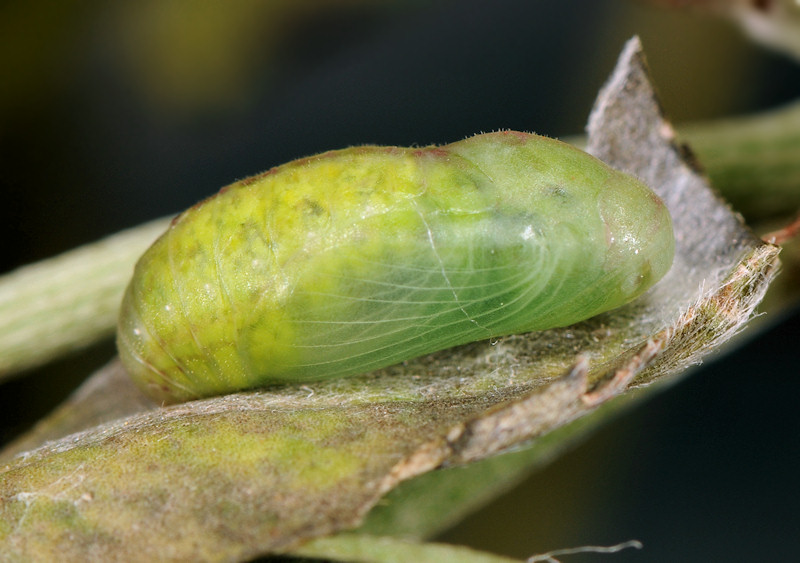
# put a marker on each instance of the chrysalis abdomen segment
(356, 259)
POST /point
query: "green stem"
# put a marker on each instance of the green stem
(65, 303)
(754, 161)
(352, 547)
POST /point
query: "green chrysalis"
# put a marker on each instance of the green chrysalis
(357, 259)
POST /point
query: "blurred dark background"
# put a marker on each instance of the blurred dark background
(112, 114)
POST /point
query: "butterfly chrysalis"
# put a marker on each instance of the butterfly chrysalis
(360, 258)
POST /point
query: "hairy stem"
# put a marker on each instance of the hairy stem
(62, 304)
(753, 161)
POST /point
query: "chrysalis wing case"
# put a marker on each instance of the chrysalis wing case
(356, 259)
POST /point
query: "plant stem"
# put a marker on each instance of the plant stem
(64, 303)
(754, 161)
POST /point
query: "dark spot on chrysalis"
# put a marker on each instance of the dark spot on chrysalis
(313, 207)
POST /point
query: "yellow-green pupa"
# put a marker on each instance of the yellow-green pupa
(357, 259)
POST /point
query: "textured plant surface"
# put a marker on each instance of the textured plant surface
(246, 474)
